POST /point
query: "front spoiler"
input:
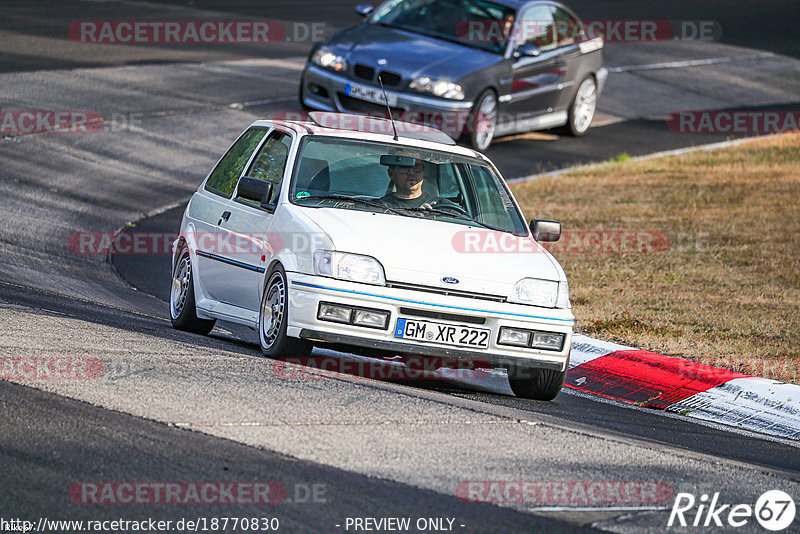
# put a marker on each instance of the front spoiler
(438, 351)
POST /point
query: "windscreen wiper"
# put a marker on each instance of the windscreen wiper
(455, 215)
(366, 202)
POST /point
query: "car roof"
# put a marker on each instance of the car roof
(372, 129)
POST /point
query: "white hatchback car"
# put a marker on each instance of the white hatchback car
(336, 231)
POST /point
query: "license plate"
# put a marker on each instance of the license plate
(370, 94)
(445, 334)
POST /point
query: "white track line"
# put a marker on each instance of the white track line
(690, 63)
(675, 152)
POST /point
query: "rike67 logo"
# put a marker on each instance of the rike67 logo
(774, 510)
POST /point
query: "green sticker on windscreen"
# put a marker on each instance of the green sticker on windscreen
(302, 194)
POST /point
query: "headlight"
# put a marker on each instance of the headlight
(442, 88)
(327, 59)
(352, 267)
(545, 293)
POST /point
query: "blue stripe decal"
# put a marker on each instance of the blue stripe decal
(230, 261)
(428, 303)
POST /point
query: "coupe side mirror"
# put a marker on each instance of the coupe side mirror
(255, 190)
(546, 231)
(364, 9)
(527, 50)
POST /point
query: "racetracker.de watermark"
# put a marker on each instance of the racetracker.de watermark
(616, 31)
(567, 493)
(218, 492)
(734, 122)
(453, 123)
(50, 368)
(214, 242)
(36, 121)
(177, 32)
(399, 368)
(570, 242)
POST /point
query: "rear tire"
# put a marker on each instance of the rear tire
(273, 318)
(582, 109)
(182, 310)
(537, 384)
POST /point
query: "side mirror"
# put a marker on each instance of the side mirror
(364, 9)
(527, 50)
(545, 231)
(255, 190)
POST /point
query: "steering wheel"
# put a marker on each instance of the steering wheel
(452, 206)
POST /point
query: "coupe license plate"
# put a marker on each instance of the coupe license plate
(446, 334)
(369, 94)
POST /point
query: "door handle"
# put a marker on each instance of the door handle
(225, 216)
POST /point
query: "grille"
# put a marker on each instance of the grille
(443, 291)
(390, 78)
(356, 105)
(364, 72)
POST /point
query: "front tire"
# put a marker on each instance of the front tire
(483, 121)
(182, 310)
(537, 384)
(273, 318)
(582, 108)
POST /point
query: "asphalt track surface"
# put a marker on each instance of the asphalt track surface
(69, 441)
(380, 448)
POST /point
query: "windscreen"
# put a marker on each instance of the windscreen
(407, 182)
(474, 23)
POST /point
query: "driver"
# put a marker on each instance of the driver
(408, 191)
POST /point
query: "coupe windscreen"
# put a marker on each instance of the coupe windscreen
(363, 175)
(474, 23)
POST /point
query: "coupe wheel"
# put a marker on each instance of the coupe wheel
(273, 319)
(182, 311)
(483, 121)
(583, 107)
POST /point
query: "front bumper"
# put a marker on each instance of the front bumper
(325, 90)
(306, 292)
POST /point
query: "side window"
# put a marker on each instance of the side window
(568, 30)
(223, 178)
(496, 207)
(536, 28)
(271, 160)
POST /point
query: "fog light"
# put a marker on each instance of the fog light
(371, 318)
(514, 336)
(548, 341)
(334, 313)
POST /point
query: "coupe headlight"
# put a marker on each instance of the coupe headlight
(441, 88)
(545, 293)
(328, 60)
(352, 267)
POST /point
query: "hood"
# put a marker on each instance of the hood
(423, 251)
(409, 54)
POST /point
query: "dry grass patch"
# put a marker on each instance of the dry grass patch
(725, 290)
